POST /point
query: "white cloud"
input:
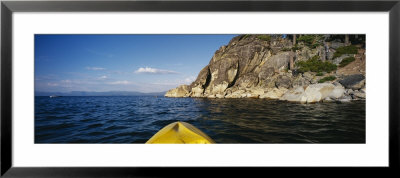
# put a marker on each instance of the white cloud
(149, 70)
(190, 79)
(52, 84)
(176, 82)
(66, 81)
(123, 82)
(95, 68)
(102, 77)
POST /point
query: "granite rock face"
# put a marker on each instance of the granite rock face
(252, 67)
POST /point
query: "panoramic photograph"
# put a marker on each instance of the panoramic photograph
(200, 88)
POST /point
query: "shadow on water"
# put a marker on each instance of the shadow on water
(136, 119)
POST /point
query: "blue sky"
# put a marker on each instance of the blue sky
(144, 63)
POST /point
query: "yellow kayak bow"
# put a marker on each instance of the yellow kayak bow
(181, 133)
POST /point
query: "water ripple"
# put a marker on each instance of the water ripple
(136, 119)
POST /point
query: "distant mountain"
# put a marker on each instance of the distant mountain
(90, 93)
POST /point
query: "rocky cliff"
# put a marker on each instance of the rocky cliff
(314, 68)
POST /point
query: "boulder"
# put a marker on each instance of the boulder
(359, 95)
(354, 82)
(295, 95)
(314, 93)
(318, 92)
(337, 92)
(359, 85)
(349, 91)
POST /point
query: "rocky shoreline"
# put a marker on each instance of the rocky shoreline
(254, 66)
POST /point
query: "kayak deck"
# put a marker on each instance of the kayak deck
(180, 133)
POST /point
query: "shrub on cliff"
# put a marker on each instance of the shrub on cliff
(315, 45)
(244, 37)
(307, 39)
(329, 78)
(315, 65)
(311, 41)
(346, 61)
(264, 37)
(296, 47)
(345, 50)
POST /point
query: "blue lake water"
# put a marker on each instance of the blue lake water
(134, 119)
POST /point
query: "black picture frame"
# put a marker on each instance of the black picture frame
(8, 7)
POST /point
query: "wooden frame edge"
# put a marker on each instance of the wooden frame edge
(8, 7)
